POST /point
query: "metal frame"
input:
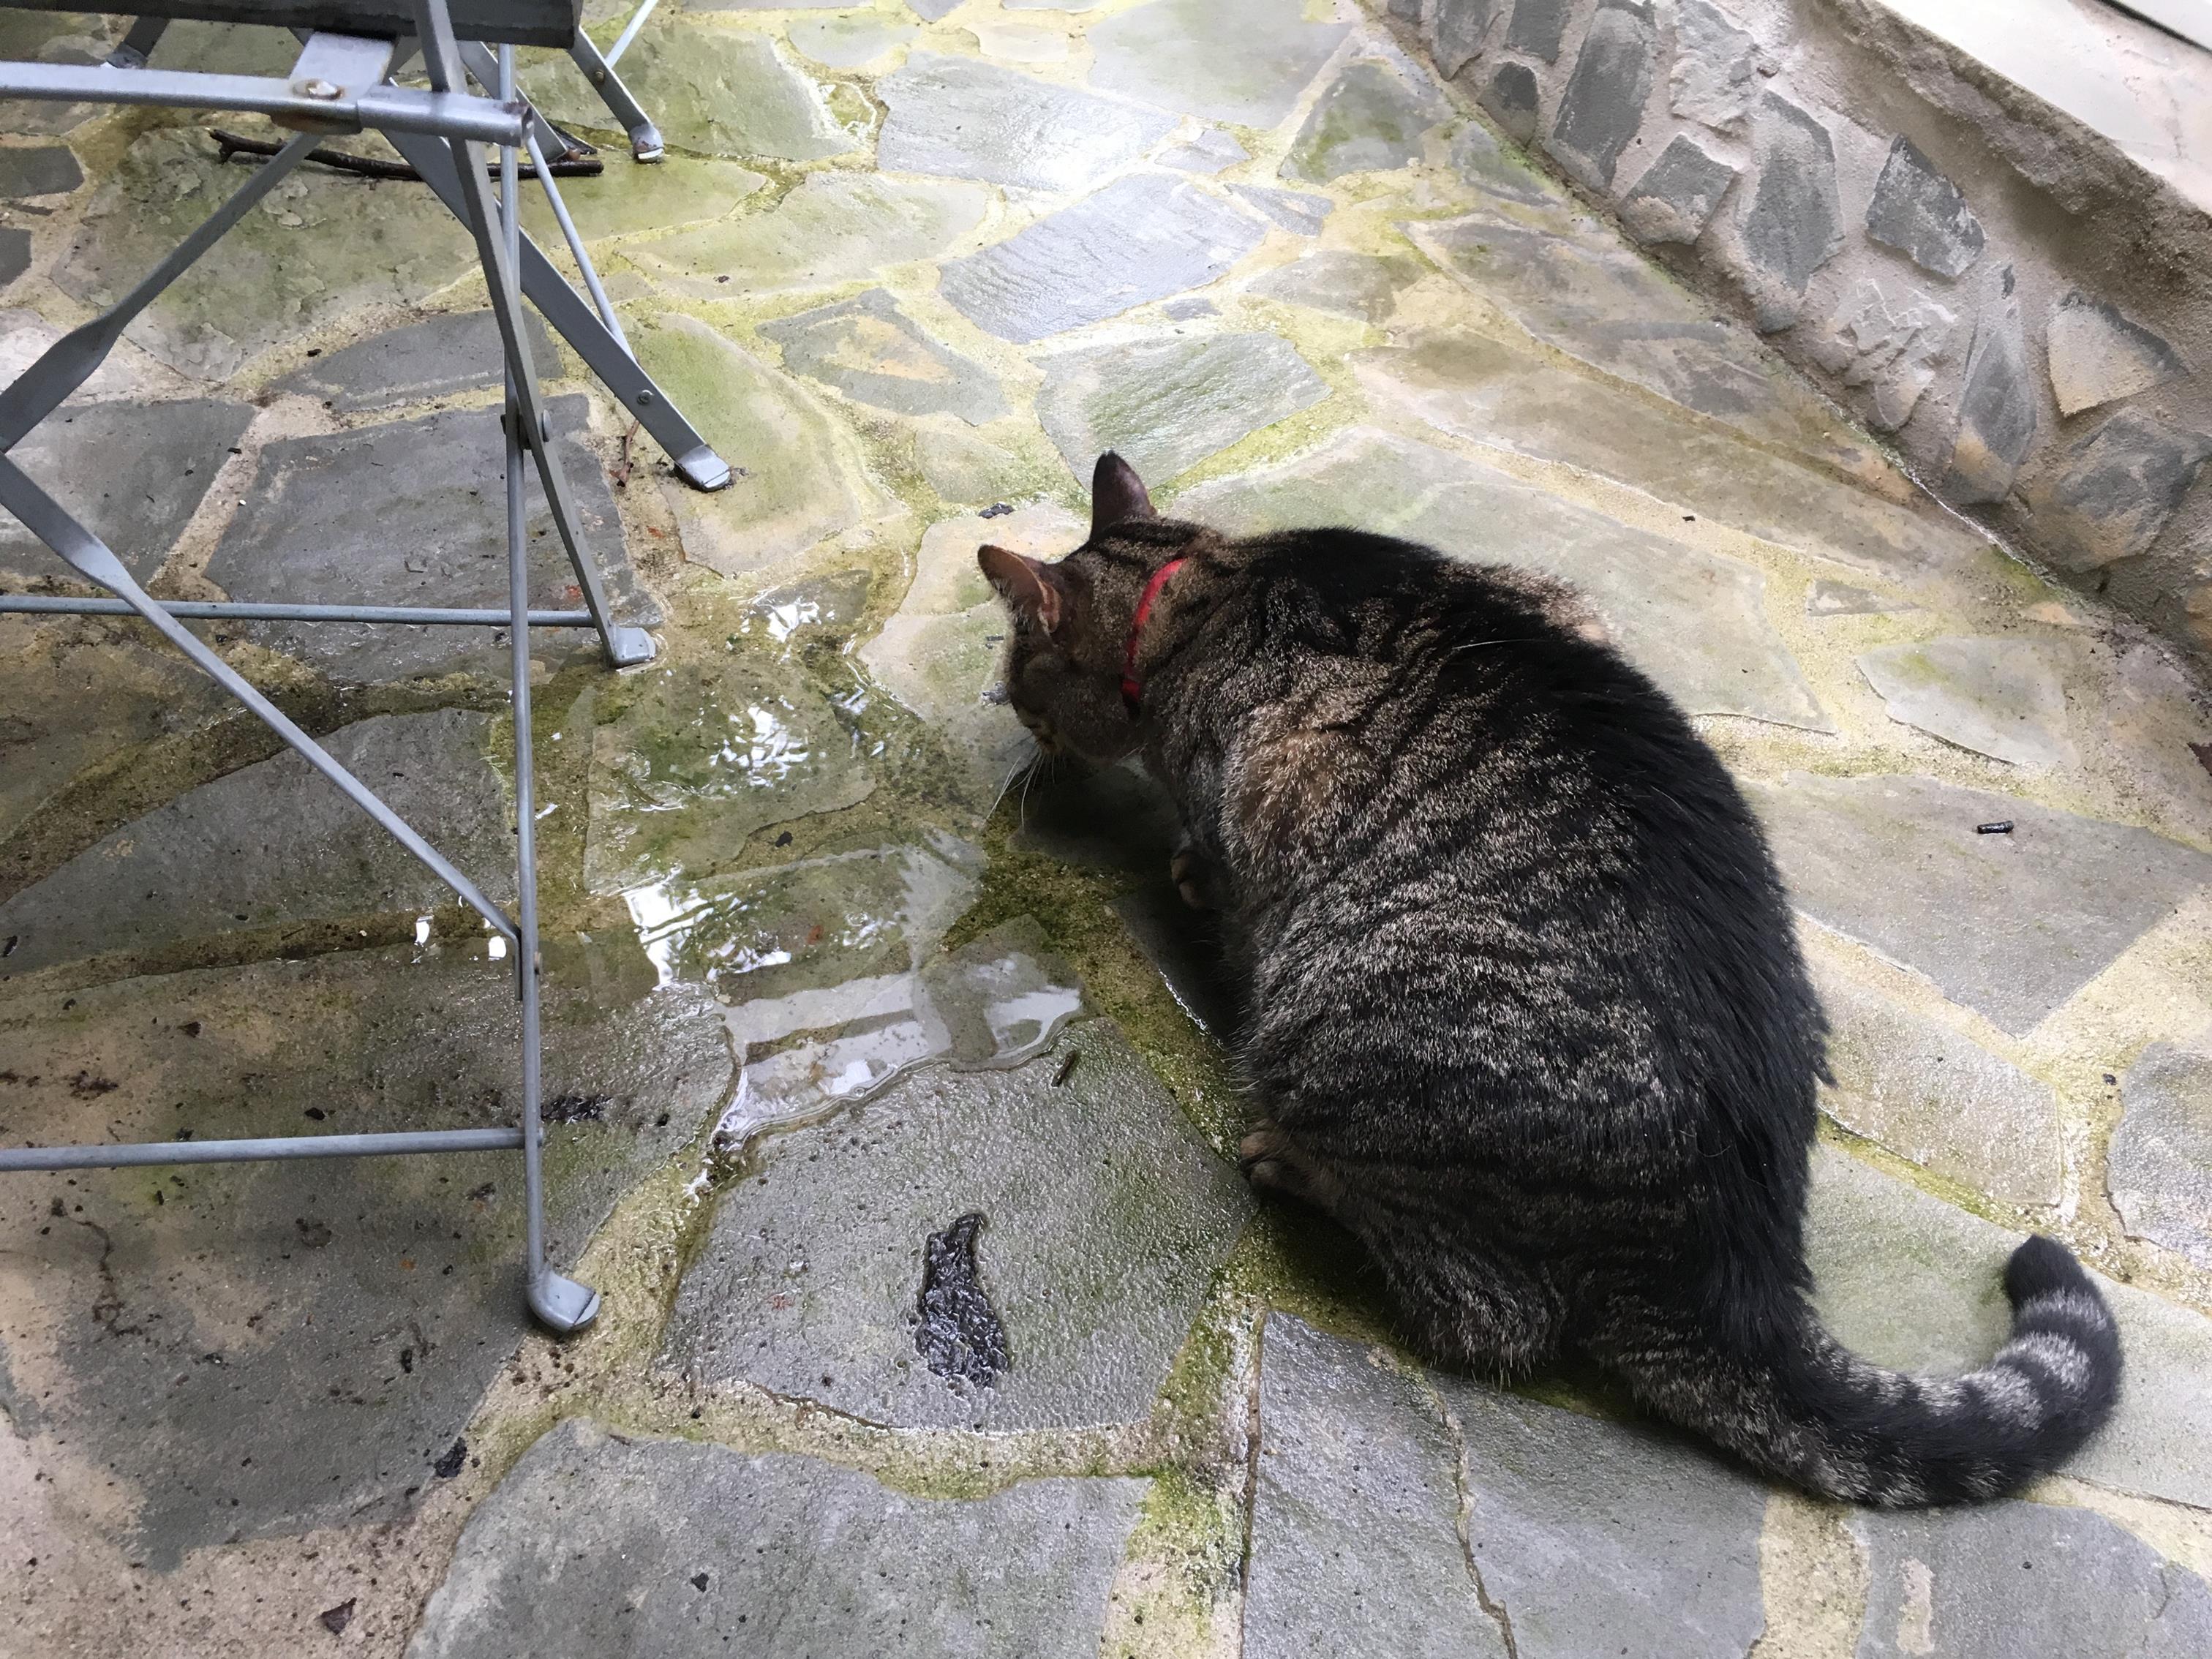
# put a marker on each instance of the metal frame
(341, 83)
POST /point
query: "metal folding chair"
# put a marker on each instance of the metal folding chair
(342, 82)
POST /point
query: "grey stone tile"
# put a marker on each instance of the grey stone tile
(1922, 215)
(835, 227)
(870, 350)
(1790, 224)
(1908, 1281)
(2021, 1578)
(273, 844)
(273, 1348)
(1142, 238)
(1936, 1097)
(711, 92)
(1996, 411)
(669, 1548)
(1677, 196)
(2011, 925)
(1889, 342)
(1999, 698)
(1537, 28)
(1457, 31)
(1105, 1218)
(1362, 285)
(132, 473)
(969, 119)
(2159, 1165)
(1476, 158)
(851, 41)
(1602, 104)
(1298, 210)
(1189, 308)
(1355, 1539)
(1694, 622)
(1463, 382)
(2110, 493)
(1167, 404)
(1715, 75)
(1832, 598)
(459, 351)
(1244, 62)
(413, 513)
(1509, 97)
(966, 470)
(1210, 152)
(48, 171)
(931, 9)
(15, 253)
(1606, 1538)
(2097, 353)
(1372, 118)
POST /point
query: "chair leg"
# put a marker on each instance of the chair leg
(138, 44)
(644, 137)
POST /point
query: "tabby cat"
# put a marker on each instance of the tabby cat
(1526, 1014)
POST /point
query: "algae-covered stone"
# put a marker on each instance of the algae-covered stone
(667, 1547)
(1362, 285)
(674, 191)
(437, 537)
(2099, 353)
(318, 247)
(1592, 1537)
(2012, 925)
(133, 473)
(802, 480)
(835, 227)
(1105, 1219)
(1355, 1511)
(1695, 622)
(2159, 1167)
(1165, 405)
(273, 844)
(1834, 598)
(459, 351)
(1298, 210)
(1937, 1097)
(1141, 238)
(1240, 61)
(1998, 697)
(262, 1350)
(869, 350)
(1372, 118)
(967, 119)
(712, 92)
(1602, 104)
(967, 470)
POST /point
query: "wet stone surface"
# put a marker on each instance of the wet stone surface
(2160, 1168)
(869, 350)
(1998, 697)
(1295, 211)
(955, 116)
(1370, 118)
(1362, 285)
(2010, 926)
(458, 352)
(1239, 61)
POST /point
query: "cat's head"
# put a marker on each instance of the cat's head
(1066, 651)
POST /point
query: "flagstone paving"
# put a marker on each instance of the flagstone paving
(890, 1114)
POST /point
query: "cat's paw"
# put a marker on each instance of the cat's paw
(1188, 871)
(1274, 1162)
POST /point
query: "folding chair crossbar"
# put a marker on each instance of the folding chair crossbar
(441, 132)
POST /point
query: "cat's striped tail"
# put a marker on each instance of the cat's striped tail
(1800, 1407)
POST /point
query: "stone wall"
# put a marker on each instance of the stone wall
(2023, 310)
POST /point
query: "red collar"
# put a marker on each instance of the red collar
(1132, 692)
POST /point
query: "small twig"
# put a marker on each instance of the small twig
(624, 466)
(375, 166)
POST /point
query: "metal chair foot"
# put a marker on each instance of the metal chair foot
(703, 469)
(561, 1304)
(628, 647)
(645, 142)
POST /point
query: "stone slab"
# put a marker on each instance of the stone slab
(1996, 411)
(1935, 1097)
(1601, 105)
(2111, 493)
(1362, 285)
(1908, 1281)
(1457, 30)
(50, 170)
(1537, 29)
(1210, 152)
(1356, 1510)
(273, 844)
(1999, 698)
(1299, 211)
(1165, 405)
(1715, 75)
(674, 191)
(1888, 343)
(249, 1351)
(1244, 62)
(850, 40)
(1372, 118)
(1790, 224)
(1142, 238)
(1922, 215)
(1677, 196)
(430, 530)
(459, 351)
(672, 1548)
(132, 473)
(835, 227)
(1593, 1537)
(2097, 353)
(1480, 161)
(1020, 43)
(1510, 98)
(1105, 1218)
(2010, 926)
(870, 350)
(1694, 620)
(966, 119)
(1832, 598)
(2021, 1578)
(2157, 1166)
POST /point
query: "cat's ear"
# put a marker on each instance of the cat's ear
(1030, 588)
(1117, 494)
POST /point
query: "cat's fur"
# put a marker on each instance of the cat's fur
(1526, 1014)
